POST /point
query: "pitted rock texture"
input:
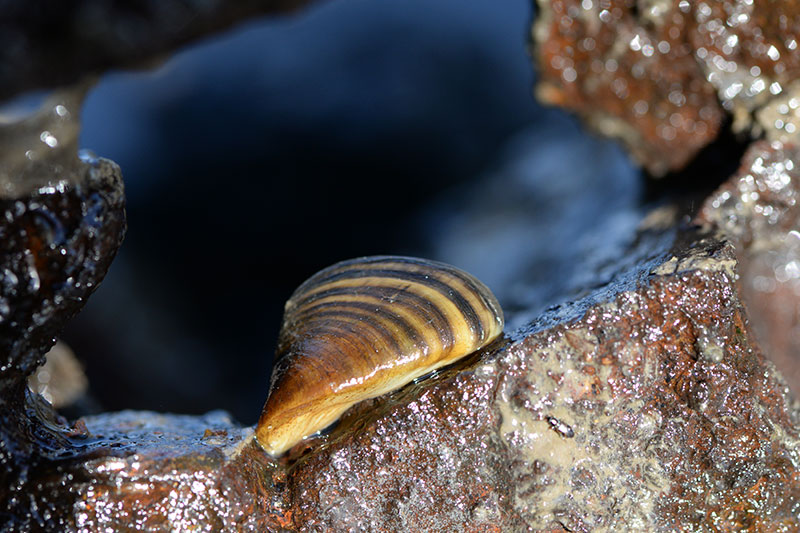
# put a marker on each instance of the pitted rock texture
(759, 208)
(643, 404)
(748, 50)
(668, 403)
(658, 75)
(431, 461)
(58, 243)
(630, 73)
(626, 418)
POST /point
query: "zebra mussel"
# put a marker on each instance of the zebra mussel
(364, 327)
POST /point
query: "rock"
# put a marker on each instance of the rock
(643, 404)
(779, 118)
(160, 473)
(45, 44)
(621, 410)
(629, 70)
(747, 50)
(641, 401)
(658, 74)
(758, 209)
(63, 220)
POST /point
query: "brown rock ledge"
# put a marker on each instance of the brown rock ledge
(643, 405)
(660, 75)
(629, 70)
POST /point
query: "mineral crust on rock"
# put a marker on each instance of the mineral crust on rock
(748, 50)
(642, 405)
(657, 75)
(62, 222)
(759, 209)
(631, 73)
(640, 402)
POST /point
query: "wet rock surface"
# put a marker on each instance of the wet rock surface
(660, 75)
(624, 409)
(630, 73)
(644, 403)
(638, 399)
(151, 472)
(63, 220)
(58, 245)
(758, 209)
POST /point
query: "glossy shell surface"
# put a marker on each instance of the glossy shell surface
(364, 327)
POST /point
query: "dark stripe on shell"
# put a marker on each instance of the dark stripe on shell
(387, 296)
(325, 310)
(327, 319)
(451, 293)
(362, 327)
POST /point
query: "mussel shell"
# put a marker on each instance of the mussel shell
(364, 327)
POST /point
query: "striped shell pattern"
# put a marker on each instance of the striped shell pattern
(364, 327)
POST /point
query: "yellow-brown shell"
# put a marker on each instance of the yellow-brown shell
(364, 327)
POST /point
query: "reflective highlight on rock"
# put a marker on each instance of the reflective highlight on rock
(365, 327)
(38, 148)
